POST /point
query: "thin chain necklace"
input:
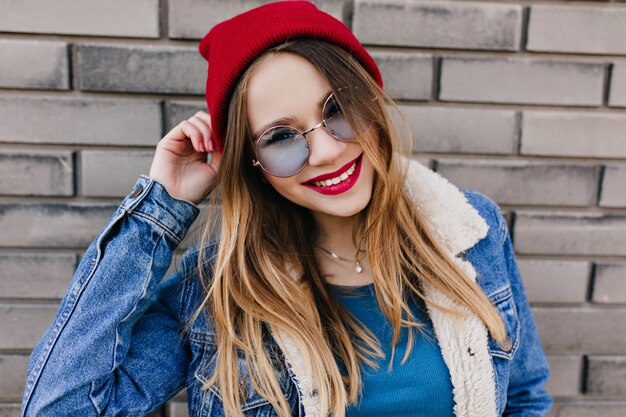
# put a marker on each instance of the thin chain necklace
(356, 262)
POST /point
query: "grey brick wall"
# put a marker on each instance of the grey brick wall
(524, 100)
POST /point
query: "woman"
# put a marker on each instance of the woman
(327, 250)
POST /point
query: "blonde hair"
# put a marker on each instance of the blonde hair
(264, 239)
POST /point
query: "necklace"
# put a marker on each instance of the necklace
(356, 262)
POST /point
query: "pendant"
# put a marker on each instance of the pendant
(358, 268)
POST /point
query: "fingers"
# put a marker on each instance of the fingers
(194, 134)
(197, 129)
(205, 142)
(206, 118)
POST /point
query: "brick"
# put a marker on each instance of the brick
(557, 28)
(609, 285)
(112, 173)
(508, 218)
(34, 64)
(573, 134)
(177, 409)
(25, 324)
(606, 375)
(101, 122)
(139, 18)
(521, 80)
(581, 329)
(35, 275)
(54, 225)
(595, 409)
(207, 13)
(462, 130)
(10, 410)
(612, 194)
(555, 281)
(181, 396)
(141, 69)
(617, 95)
(407, 76)
(525, 182)
(36, 173)
(181, 110)
(13, 382)
(438, 24)
(565, 375)
(571, 233)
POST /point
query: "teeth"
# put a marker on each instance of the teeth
(336, 180)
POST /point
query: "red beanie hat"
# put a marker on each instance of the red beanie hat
(232, 45)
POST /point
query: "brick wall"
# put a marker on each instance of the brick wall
(523, 100)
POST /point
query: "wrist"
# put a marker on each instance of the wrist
(152, 201)
(168, 189)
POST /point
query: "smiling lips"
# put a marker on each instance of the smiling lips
(337, 182)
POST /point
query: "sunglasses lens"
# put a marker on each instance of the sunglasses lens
(282, 151)
(336, 121)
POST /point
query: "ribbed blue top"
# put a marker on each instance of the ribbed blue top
(419, 387)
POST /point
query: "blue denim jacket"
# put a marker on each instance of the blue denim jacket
(116, 346)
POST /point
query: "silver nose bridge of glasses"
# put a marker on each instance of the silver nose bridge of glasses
(320, 124)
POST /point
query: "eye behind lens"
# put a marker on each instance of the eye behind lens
(283, 156)
(278, 136)
(332, 109)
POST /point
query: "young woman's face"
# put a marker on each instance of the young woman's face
(287, 86)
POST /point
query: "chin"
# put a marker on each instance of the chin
(345, 209)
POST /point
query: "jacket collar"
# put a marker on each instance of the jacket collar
(455, 222)
(458, 226)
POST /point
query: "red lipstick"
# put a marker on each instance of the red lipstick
(341, 187)
(334, 173)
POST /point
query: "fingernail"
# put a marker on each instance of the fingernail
(201, 146)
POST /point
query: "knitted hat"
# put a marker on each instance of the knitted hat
(232, 45)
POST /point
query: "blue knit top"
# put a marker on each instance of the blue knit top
(419, 387)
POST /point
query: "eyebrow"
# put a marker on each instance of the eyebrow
(286, 120)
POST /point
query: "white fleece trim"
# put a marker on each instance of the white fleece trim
(302, 373)
(458, 226)
(463, 342)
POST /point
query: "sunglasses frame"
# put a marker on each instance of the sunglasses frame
(257, 163)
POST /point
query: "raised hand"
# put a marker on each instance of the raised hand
(180, 162)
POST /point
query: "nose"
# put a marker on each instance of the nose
(324, 148)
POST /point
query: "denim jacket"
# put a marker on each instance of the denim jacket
(116, 346)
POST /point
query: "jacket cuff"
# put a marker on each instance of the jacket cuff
(151, 200)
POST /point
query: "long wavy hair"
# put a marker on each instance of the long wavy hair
(265, 276)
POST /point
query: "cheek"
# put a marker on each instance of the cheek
(284, 186)
(368, 168)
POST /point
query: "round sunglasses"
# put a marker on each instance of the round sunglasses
(283, 151)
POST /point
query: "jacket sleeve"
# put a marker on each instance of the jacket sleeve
(115, 345)
(529, 370)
